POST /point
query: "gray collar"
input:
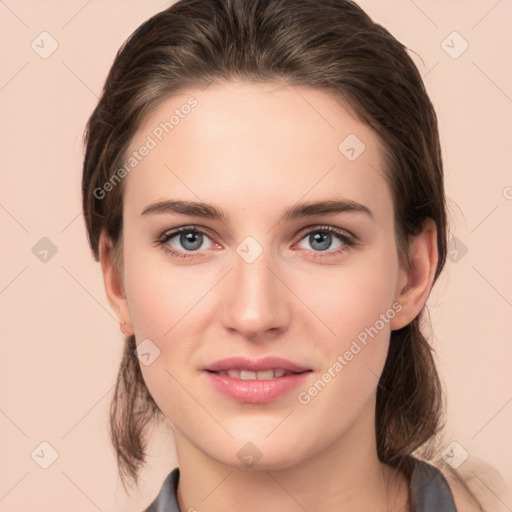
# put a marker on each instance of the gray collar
(429, 490)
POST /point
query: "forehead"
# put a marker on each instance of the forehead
(248, 146)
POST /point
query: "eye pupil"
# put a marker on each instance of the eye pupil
(191, 238)
(323, 238)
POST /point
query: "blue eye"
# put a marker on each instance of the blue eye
(321, 239)
(191, 238)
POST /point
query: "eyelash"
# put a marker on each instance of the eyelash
(162, 240)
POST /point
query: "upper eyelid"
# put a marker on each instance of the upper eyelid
(327, 227)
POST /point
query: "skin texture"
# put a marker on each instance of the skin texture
(254, 150)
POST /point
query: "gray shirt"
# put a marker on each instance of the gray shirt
(429, 490)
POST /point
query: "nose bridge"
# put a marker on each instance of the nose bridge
(255, 301)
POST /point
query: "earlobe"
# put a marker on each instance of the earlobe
(416, 281)
(113, 282)
(126, 328)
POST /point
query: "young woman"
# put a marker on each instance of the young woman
(263, 186)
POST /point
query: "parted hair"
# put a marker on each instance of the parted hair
(332, 45)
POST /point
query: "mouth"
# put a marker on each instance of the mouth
(256, 381)
(243, 374)
(245, 368)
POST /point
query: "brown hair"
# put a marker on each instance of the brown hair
(326, 44)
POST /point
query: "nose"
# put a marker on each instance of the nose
(256, 300)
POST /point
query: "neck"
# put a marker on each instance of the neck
(344, 476)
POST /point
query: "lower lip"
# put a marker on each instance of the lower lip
(256, 391)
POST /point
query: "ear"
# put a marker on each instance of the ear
(113, 281)
(414, 283)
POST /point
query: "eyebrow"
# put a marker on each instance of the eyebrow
(298, 211)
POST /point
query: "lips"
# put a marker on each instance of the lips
(278, 365)
(250, 375)
(255, 381)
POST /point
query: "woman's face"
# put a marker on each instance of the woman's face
(257, 282)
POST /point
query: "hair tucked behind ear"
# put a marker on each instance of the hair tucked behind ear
(408, 377)
(330, 45)
(131, 410)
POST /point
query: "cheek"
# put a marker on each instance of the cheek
(158, 294)
(353, 358)
(164, 307)
(354, 308)
(347, 300)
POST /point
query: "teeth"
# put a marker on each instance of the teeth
(249, 375)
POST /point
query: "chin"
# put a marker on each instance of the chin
(256, 455)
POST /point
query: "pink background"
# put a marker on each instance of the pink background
(61, 343)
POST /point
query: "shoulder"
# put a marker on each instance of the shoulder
(476, 487)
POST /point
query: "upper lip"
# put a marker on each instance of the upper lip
(255, 365)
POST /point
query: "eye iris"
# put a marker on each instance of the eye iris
(323, 238)
(195, 239)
